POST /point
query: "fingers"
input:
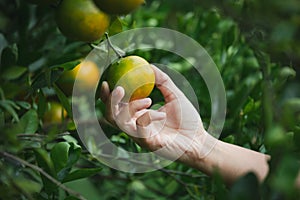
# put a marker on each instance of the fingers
(117, 95)
(129, 112)
(125, 114)
(149, 124)
(166, 85)
(150, 116)
(137, 105)
(104, 94)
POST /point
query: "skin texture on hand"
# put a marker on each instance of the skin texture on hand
(174, 131)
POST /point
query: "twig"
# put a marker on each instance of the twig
(166, 171)
(32, 139)
(185, 174)
(41, 171)
(111, 45)
(174, 177)
(30, 135)
(63, 134)
(13, 184)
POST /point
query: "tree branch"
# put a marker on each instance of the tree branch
(41, 171)
(170, 173)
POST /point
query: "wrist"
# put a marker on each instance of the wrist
(198, 153)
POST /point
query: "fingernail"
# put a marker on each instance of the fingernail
(147, 100)
(103, 85)
(117, 90)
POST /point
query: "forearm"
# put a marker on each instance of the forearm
(232, 161)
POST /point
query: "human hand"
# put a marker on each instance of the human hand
(175, 130)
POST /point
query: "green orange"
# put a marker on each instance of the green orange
(86, 73)
(134, 74)
(81, 20)
(118, 7)
(54, 113)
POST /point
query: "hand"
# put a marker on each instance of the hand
(174, 131)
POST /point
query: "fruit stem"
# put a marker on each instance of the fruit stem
(111, 46)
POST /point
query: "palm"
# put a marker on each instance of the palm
(176, 132)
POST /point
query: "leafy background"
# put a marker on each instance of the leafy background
(256, 47)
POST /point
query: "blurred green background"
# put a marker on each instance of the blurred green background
(256, 46)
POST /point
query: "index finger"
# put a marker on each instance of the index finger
(165, 84)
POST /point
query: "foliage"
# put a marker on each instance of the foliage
(262, 114)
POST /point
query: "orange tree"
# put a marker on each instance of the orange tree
(40, 53)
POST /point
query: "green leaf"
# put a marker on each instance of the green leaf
(59, 155)
(43, 160)
(24, 104)
(276, 138)
(246, 188)
(285, 175)
(250, 106)
(10, 107)
(2, 118)
(41, 80)
(29, 121)
(74, 154)
(171, 187)
(66, 66)
(9, 55)
(12, 73)
(230, 36)
(64, 155)
(63, 99)
(42, 104)
(115, 27)
(219, 188)
(85, 188)
(286, 72)
(297, 137)
(48, 75)
(118, 139)
(28, 185)
(291, 113)
(81, 173)
(71, 198)
(70, 139)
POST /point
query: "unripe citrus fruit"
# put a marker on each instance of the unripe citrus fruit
(54, 113)
(81, 20)
(87, 73)
(134, 74)
(118, 7)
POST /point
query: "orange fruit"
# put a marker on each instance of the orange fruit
(134, 74)
(87, 73)
(118, 7)
(54, 113)
(81, 20)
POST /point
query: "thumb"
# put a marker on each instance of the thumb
(150, 123)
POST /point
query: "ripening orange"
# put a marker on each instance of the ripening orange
(118, 7)
(134, 74)
(86, 73)
(81, 20)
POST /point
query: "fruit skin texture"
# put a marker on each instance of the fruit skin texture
(118, 7)
(134, 74)
(54, 113)
(86, 72)
(81, 20)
